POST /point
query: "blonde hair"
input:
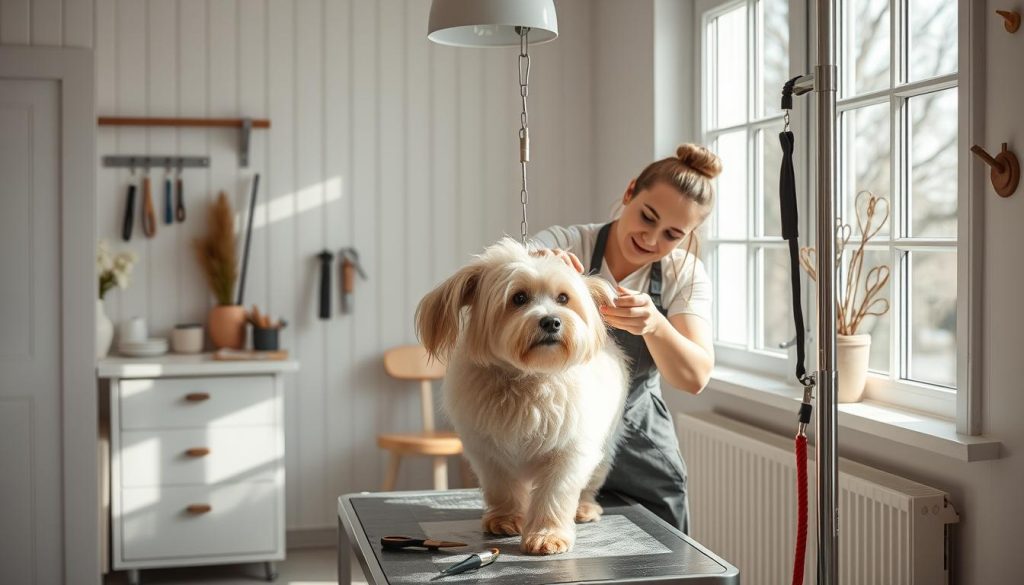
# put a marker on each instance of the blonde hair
(691, 172)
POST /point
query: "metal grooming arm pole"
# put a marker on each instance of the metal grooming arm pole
(827, 382)
(823, 82)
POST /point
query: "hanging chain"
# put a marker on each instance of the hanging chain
(785, 119)
(524, 119)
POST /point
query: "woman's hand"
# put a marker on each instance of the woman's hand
(634, 312)
(569, 258)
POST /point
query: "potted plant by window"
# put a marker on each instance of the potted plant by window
(219, 261)
(859, 296)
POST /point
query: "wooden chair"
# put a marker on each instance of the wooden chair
(411, 362)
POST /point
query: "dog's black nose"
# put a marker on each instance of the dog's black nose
(550, 324)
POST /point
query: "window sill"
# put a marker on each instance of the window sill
(900, 425)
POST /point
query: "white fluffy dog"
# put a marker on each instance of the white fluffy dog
(535, 388)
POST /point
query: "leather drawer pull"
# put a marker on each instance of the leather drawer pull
(198, 452)
(197, 509)
(197, 396)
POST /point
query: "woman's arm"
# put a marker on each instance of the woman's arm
(683, 351)
(681, 346)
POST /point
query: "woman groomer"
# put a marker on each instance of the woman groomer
(661, 318)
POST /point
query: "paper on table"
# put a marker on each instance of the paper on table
(612, 536)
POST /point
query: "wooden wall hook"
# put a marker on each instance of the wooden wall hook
(1005, 169)
(1012, 19)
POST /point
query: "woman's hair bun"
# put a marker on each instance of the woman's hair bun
(700, 159)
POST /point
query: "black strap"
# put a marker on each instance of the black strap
(791, 233)
(653, 289)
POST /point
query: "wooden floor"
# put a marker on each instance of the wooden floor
(310, 566)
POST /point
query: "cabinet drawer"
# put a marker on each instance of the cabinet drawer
(156, 522)
(199, 456)
(197, 402)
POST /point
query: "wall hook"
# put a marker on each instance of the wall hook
(1005, 169)
(1012, 19)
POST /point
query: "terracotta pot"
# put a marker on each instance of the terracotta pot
(226, 324)
(852, 353)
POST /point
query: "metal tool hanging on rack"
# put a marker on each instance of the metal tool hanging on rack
(350, 266)
(168, 203)
(129, 210)
(148, 212)
(179, 212)
(149, 220)
(325, 283)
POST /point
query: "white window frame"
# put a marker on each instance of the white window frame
(963, 403)
(750, 357)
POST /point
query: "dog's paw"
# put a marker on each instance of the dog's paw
(546, 543)
(504, 524)
(588, 512)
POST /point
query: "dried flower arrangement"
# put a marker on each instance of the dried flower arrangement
(114, 269)
(216, 252)
(851, 306)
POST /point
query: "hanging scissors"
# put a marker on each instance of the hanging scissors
(403, 542)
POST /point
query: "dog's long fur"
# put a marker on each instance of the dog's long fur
(538, 411)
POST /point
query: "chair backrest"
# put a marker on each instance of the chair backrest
(412, 362)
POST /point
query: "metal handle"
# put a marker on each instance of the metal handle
(197, 452)
(197, 509)
(197, 396)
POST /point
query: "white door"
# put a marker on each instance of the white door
(30, 355)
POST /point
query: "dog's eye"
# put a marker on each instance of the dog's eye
(562, 299)
(519, 299)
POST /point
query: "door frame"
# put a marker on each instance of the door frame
(73, 69)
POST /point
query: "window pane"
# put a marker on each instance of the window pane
(774, 19)
(730, 68)
(777, 304)
(933, 40)
(933, 317)
(878, 326)
(731, 186)
(771, 159)
(867, 45)
(865, 160)
(731, 289)
(933, 154)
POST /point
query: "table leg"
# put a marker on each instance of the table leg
(344, 556)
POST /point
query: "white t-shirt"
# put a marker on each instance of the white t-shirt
(685, 285)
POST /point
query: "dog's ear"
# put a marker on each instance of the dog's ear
(439, 314)
(601, 290)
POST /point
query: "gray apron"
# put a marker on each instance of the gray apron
(648, 466)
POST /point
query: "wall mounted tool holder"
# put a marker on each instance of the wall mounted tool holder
(1011, 20)
(244, 125)
(1005, 174)
(142, 161)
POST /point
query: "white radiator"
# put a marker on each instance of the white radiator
(742, 488)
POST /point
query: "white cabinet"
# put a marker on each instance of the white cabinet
(197, 461)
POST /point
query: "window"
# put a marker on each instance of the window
(746, 60)
(897, 137)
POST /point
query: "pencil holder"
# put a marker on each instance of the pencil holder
(264, 339)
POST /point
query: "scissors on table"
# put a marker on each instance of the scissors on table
(403, 542)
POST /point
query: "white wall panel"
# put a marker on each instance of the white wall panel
(379, 140)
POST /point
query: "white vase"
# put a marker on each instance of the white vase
(104, 331)
(852, 353)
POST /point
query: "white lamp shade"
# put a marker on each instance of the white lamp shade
(491, 23)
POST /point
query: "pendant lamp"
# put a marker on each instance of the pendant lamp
(491, 23)
(499, 23)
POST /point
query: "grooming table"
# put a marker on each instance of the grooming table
(629, 545)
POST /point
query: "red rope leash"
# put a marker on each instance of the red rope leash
(801, 529)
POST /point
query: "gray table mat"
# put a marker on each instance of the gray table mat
(629, 544)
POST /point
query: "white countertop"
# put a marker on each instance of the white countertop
(187, 365)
